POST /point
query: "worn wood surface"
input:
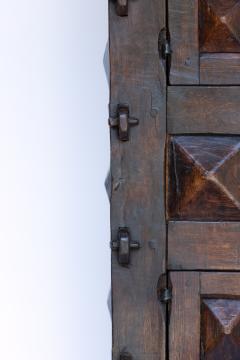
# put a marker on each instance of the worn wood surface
(183, 27)
(219, 285)
(184, 330)
(203, 246)
(193, 109)
(220, 69)
(203, 178)
(137, 171)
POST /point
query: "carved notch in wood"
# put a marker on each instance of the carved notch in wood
(122, 7)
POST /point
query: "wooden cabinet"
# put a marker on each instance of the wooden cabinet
(175, 179)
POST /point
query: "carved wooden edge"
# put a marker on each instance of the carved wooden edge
(137, 173)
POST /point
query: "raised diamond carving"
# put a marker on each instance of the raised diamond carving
(220, 338)
(204, 178)
(219, 26)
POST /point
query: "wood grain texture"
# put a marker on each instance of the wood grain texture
(203, 178)
(220, 69)
(203, 246)
(203, 109)
(220, 284)
(137, 171)
(183, 27)
(184, 330)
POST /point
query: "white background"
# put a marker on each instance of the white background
(54, 155)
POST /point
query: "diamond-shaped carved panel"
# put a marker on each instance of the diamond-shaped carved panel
(219, 26)
(204, 178)
(220, 335)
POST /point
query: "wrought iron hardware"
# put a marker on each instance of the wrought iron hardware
(165, 295)
(123, 122)
(164, 46)
(124, 245)
(125, 356)
(122, 7)
(164, 289)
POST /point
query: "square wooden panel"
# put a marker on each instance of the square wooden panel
(205, 42)
(219, 26)
(203, 178)
(205, 316)
(220, 324)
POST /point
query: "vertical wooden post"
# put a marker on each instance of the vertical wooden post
(137, 171)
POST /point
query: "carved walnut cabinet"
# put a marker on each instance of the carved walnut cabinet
(175, 179)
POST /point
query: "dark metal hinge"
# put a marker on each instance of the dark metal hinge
(165, 295)
(125, 356)
(123, 122)
(124, 245)
(164, 289)
(164, 46)
(122, 7)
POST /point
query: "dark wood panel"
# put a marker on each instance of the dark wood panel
(220, 284)
(219, 26)
(220, 324)
(204, 316)
(183, 27)
(137, 172)
(206, 246)
(203, 178)
(220, 315)
(220, 69)
(203, 110)
(184, 330)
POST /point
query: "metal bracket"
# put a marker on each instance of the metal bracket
(123, 245)
(122, 7)
(164, 46)
(123, 122)
(165, 295)
(125, 356)
(164, 289)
